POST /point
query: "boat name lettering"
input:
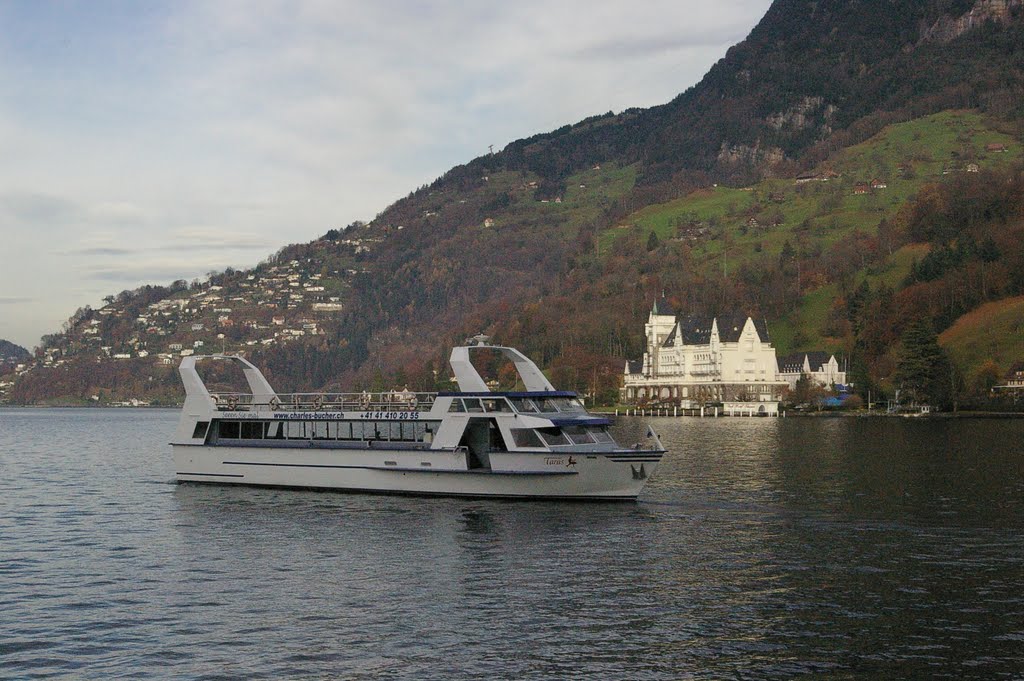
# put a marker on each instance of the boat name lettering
(554, 461)
(321, 416)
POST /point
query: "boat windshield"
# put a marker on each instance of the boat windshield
(524, 405)
(498, 404)
(568, 405)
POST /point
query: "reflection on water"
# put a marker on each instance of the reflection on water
(762, 548)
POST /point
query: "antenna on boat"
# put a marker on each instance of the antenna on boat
(479, 340)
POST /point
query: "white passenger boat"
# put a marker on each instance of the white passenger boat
(536, 443)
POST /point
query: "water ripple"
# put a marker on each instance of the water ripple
(762, 549)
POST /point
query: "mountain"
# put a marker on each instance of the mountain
(11, 354)
(807, 71)
(811, 162)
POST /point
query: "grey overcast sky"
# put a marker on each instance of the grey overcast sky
(143, 142)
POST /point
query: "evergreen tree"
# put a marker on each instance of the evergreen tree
(856, 302)
(923, 371)
(652, 241)
(860, 376)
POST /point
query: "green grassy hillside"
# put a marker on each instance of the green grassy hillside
(725, 228)
(992, 332)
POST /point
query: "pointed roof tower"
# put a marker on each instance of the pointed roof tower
(661, 307)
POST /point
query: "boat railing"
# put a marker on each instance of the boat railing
(386, 401)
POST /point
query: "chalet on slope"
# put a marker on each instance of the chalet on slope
(821, 367)
(1013, 381)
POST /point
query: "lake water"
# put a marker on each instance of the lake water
(761, 549)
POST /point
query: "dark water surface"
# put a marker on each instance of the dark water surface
(762, 549)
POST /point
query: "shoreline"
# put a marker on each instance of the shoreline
(841, 414)
(611, 413)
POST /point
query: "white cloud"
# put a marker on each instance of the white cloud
(159, 141)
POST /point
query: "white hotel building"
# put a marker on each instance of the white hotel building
(693, 361)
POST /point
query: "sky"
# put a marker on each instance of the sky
(144, 142)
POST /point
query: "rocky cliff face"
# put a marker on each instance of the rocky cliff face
(947, 29)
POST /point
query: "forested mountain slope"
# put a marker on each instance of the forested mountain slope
(895, 117)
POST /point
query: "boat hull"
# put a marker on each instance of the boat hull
(606, 475)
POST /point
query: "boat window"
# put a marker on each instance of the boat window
(553, 437)
(228, 430)
(200, 430)
(252, 430)
(456, 406)
(524, 405)
(394, 431)
(601, 434)
(498, 404)
(473, 406)
(525, 437)
(578, 435)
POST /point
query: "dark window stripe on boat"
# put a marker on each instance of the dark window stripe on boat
(635, 461)
(214, 475)
(287, 465)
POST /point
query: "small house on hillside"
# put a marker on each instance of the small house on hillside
(1013, 380)
(878, 184)
(996, 148)
(861, 188)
